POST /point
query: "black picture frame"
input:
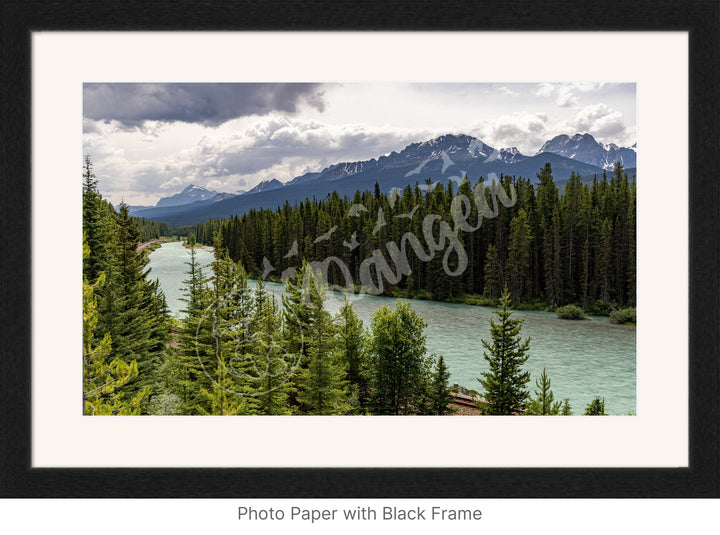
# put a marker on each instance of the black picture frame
(700, 18)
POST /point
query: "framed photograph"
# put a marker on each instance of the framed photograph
(406, 262)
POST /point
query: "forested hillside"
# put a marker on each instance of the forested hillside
(551, 247)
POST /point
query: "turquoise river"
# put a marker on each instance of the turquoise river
(583, 359)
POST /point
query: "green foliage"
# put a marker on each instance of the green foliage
(504, 384)
(596, 407)
(553, 247)
(190, 339)
(150, 230)
(624, 315)
(135, 313)
(222, 399)
(222, 340)
(566, 410)
(400, 369)
(103, 376)
(440, 396)
(127, 311)
(164, 404)
(543, 403)
(570, 312)
(323, 390)
(272, 367)
(600, 308)
(354, 357)
(520, 252)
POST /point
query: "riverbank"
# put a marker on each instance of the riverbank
(598, 309)
(198, 247)
(154, 244)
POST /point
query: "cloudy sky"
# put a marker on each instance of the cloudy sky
(149, 141)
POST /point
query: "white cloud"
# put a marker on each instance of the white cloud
(565, 98)
(599, 120)
(523, 130)
(174, 181)
(141, 160)
(565, 94)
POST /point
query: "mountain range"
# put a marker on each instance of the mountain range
(443, 159)
(584, 148)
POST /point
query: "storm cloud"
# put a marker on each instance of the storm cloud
(132, 104)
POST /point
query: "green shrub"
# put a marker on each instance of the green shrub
(596, 407)
(570, 312)
(624, 315)
(476, 300)
(599, 308)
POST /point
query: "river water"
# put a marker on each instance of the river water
(583, 359)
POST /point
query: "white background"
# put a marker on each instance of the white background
(657, 436)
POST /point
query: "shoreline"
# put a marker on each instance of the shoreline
(145, 245)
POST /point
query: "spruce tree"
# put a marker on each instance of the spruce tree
(400, 368)
(493, 273)
(323, 389)
(272, 366)
(135, 318)
(596, 407)
(543, 403)
(222, 399)
(440, 396)
(191, 345)
(98, 227)
(217, 376)
(547, 204)
(351, 338)
(519, 256)
(104, 376)
(505, 382)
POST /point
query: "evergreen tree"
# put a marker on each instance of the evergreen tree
(135, 318)
(493, 273)
(397, 357)
(604, 262)
(221, 338)
(351, 336)
(272, 366)
(566, 410)
(504, 383)
(543, 403)
(98, 227)
(192, 340)
(440, 396)
(222, 399)
(547, 201)
(168, 398)
(519, 257)
(324, 390)
(103, 376)
(596, 407)
(296, 319)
